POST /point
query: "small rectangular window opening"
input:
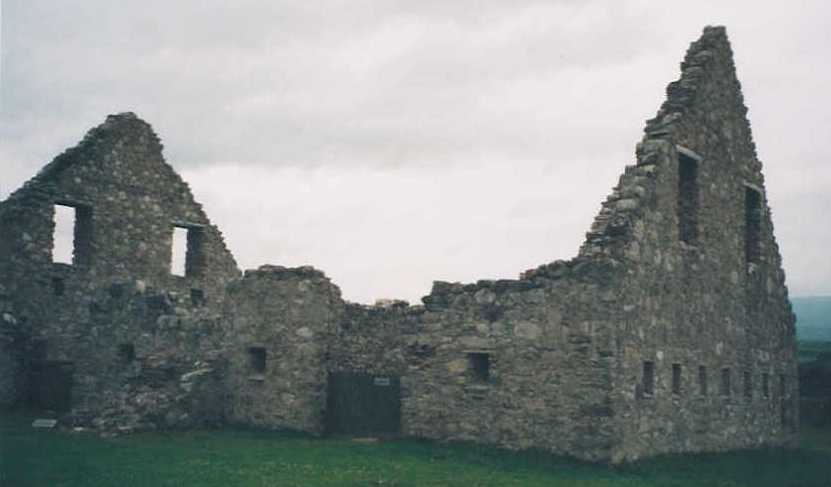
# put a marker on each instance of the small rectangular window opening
(782, 388)
(687, 199)
(126, 352)
(186, 252)
(480, 365)
(179, 251)
(648, 378)
(766, 384)
(676, 378)
(256, 359)
(725, 381)
(58, 287)
(197, 297)
(752, 224)
(748, 385)
(702, 380)
(72, 236)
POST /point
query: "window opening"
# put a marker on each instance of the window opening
(256, 359)
(58, 287)
(648, 378)
(702, 380)
(197, 297)
(72, 236)
(480, 366)
(748, 385)
(687, 199)
(126, 352)
(725, 381)
(676, 378)
(752, 224)
(766, 384)
(186, 251)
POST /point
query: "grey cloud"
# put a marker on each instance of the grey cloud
(520, 114)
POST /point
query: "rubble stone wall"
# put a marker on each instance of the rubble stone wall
(13, 338)
(670, 331)
(289, 315)
(699, 305)
(128, 200)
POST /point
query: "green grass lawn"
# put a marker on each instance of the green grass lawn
(250, 458)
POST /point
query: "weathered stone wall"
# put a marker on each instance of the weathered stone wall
(700, 302)
(598, 357)
(549, 382)
(128, 200)
(548, 349)
(289, 314)
(13, 339)
(117, 174)
(146, 359)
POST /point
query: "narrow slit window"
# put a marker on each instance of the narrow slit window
(752, 224)
(480, 366)
(72, 236)
(725, 381)
(687, 199)
(676, 378)
(782, 388)
(748, 385)
(256, 359)
(186, 251)
(766, 384)
(648, 378)
(702, 380)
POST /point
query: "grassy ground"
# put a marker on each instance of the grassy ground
(247, 458)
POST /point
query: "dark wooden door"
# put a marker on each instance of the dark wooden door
(363, 404)
(50, 385)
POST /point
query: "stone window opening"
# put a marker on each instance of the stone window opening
(752, 224)
(676, 378)
(648, 378)
(257, 359)
(702, 380)
(126, 352)
(72, 234)
(197, 297)
(782, 388)
(766, 384)
(748, 385)
(687, 199)
(186, 257)
(58, 286)
(480, 366)
(725, 382)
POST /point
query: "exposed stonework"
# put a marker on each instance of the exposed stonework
(670, 331)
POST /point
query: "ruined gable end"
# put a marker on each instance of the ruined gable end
(704, 291)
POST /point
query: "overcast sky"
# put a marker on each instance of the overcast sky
(392, 143)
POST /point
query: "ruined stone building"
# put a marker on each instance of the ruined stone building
(670, 331)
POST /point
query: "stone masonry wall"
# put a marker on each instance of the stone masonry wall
(548, 347)
(670, 331)
(13, 340)
(697, 305)
(128, 200)
(290, 316)
(146, 359)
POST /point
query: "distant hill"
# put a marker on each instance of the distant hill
(813, 318)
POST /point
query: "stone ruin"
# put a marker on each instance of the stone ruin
(670, 331)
